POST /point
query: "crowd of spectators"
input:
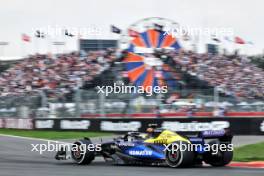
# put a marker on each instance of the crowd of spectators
(56, 74)
(233, 75)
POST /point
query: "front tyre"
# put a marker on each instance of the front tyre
(80, 153)
(179, 158)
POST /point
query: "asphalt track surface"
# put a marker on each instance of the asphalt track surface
(17, 159)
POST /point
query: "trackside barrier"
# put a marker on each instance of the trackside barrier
(238, 126)
(173, 115)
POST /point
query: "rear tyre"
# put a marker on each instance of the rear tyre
(80, 153)
(179, 158)
(220, 159)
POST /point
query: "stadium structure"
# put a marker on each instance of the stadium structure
(66, 85)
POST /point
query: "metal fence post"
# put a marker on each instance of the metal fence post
(77, 100)
(44, 100)
(216, 96)
(101, 104)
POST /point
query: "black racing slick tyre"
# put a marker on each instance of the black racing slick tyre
(220, 159)
(80, 153)
(177, 157)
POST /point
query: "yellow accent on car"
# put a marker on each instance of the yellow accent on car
(167, 137)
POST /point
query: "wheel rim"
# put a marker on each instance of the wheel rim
(173, 156)
(77, 154)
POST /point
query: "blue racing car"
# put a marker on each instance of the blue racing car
(156, 147)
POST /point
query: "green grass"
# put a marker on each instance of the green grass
(52, 134)
(252, 152)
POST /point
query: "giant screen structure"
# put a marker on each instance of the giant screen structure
(144, 68)
(94, 45)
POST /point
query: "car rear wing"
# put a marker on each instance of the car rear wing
(223, 135)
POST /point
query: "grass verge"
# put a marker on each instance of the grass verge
(52, 134)
(251, 152)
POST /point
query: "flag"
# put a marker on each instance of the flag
(158, 27)
(214, 38)
(133, 33)
(25, 38)
(39, 34)
(115, 29)
(228, 39)
(67, 33)
(80, 36)
(186, 36)
(239, 40)
(250, 43)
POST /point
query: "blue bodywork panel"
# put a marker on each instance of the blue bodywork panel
(142, 150)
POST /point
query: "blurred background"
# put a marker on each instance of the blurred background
(51, 64)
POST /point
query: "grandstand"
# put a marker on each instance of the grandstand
(59, 77)
(65, 85)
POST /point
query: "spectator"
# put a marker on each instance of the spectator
(55, 75)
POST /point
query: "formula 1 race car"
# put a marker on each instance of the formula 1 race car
(158, 147)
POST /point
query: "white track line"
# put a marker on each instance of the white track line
(31, 138)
